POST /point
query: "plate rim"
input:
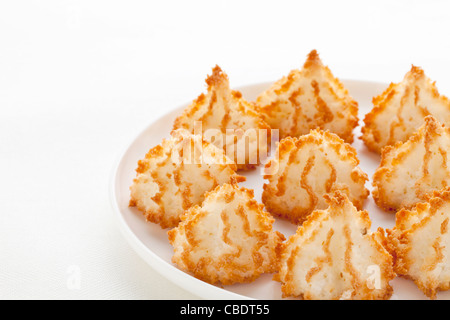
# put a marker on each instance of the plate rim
(187, 282)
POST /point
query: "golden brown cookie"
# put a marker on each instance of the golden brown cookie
(175, 175)
(308, 99)
(333, 255)
(410, 170)
(400, 110)
(420, 243)
(227, 239)
(307, 168)
(229, 121)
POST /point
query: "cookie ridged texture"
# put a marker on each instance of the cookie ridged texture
(307, 168)
(400, 110)
(333, 255)
(409, 171)
(420, 243)
(175, 175)
(224, 109)
(227, 239)
(307, 99)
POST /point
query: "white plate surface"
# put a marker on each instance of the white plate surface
(151, 243)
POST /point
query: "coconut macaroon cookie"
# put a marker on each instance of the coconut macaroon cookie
(175, 175)
(399, 111)
(409, 171)
(229, 121)
(333, 255)
(307, 99)
(420, 243)
(227, 239)
(307, 168)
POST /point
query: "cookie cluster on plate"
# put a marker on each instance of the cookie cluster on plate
(222, 235)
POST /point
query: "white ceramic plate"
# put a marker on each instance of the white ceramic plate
(151, 243)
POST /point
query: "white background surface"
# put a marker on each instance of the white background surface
(79, 79)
